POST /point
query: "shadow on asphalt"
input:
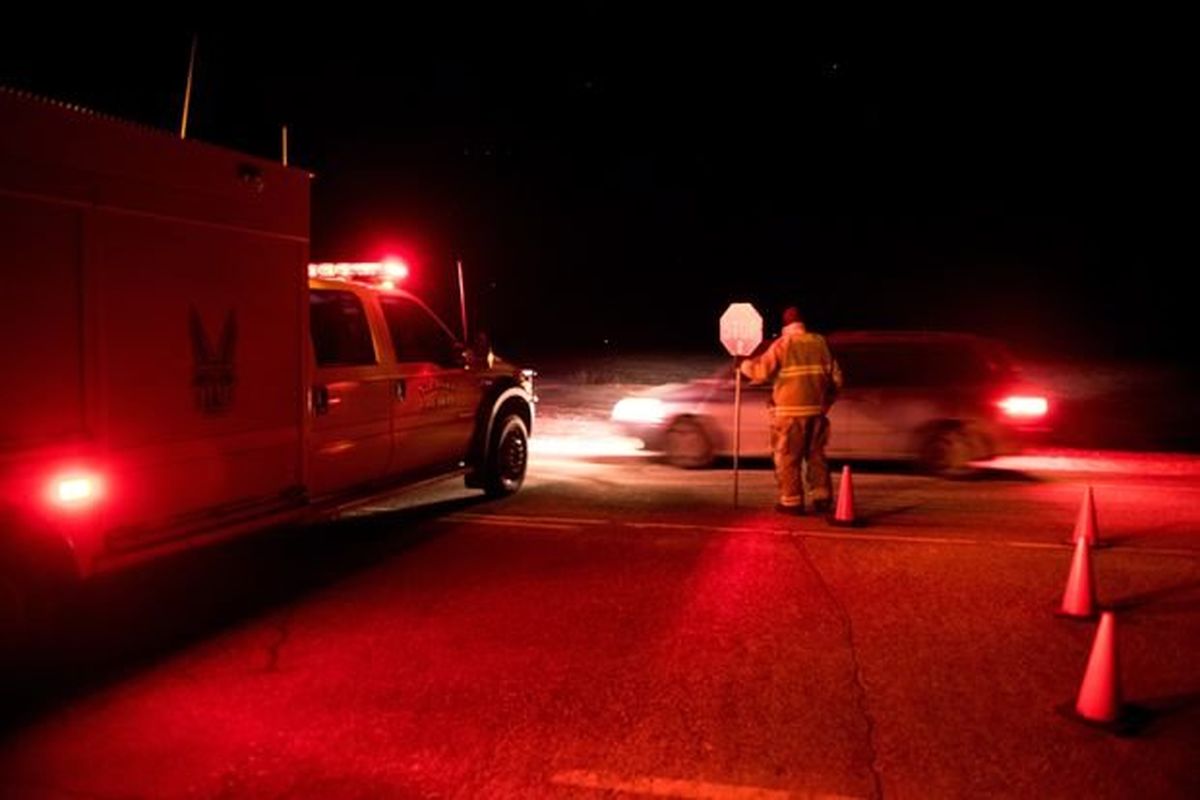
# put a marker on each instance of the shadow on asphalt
(1153, 716)
(987, 474)
(886, 513)
(119, 624)
(1144, 718)
(1177, 598)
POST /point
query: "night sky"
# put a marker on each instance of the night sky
(612, 180)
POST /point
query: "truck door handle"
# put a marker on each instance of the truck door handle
(320, 399)
(401, 389)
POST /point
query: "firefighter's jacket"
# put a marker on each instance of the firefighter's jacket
(806, 375)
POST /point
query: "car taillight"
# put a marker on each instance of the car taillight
(1024, 406)
(76, 490)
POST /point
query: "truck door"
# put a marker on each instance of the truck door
(438, 390)
(352, 396)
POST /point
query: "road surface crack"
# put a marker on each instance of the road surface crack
(859, 684)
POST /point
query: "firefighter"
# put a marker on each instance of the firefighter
(806, 381)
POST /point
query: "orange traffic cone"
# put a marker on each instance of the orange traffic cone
(843, 515)
(1099, 698)
(1079, 598)
(1085, 523)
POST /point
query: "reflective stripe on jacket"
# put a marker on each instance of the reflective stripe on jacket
(805, 373)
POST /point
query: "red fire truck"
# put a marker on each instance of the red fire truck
(175, 373)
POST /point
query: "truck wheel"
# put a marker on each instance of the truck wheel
(507, 458)
(688, 445)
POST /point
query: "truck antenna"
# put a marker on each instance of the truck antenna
(462, 302)
(187, 92)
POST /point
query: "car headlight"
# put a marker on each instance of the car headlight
(639, 409)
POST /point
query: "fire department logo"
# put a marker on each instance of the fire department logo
(213, 376)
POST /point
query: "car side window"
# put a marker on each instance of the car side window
(872, 368)
(911, 366)
(341, 335)
(416, 335)
(962, 365)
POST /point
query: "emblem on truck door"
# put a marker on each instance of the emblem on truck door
(213, 375)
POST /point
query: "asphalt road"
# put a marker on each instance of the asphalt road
(618, 629)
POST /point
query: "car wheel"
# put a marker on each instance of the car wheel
(947, 453)
(688, 445)
(508, 457)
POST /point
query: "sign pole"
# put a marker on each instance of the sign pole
(741, 333)
(737, 426)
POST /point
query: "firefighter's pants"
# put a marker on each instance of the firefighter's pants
(800, 467)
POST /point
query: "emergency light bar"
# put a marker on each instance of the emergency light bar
(386, 272)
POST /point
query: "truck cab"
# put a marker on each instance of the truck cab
(396, 398)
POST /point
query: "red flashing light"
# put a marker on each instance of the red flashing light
(387, 272)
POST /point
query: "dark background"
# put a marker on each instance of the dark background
(612, 179)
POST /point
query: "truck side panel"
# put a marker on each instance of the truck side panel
(154, 332)
(41, 329)
(199, 331)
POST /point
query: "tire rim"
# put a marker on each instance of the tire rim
(513, 458)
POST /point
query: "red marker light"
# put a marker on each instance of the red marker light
(1024, 407)
(76, 490)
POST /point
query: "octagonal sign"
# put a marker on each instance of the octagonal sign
(741, 329)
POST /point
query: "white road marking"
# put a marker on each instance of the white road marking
(574, 523)
(685, 526)
(466, 515)
(689, 790)
(498, 521)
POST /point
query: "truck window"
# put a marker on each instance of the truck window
(416, 335)
(341, 334)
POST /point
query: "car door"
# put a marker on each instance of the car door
(351, 437)
(893, 393)
(440, 388)
(756, 419)
(879, 399)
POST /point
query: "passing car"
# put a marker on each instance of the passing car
(942, 400)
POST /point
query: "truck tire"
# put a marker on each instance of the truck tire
(507, 458)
